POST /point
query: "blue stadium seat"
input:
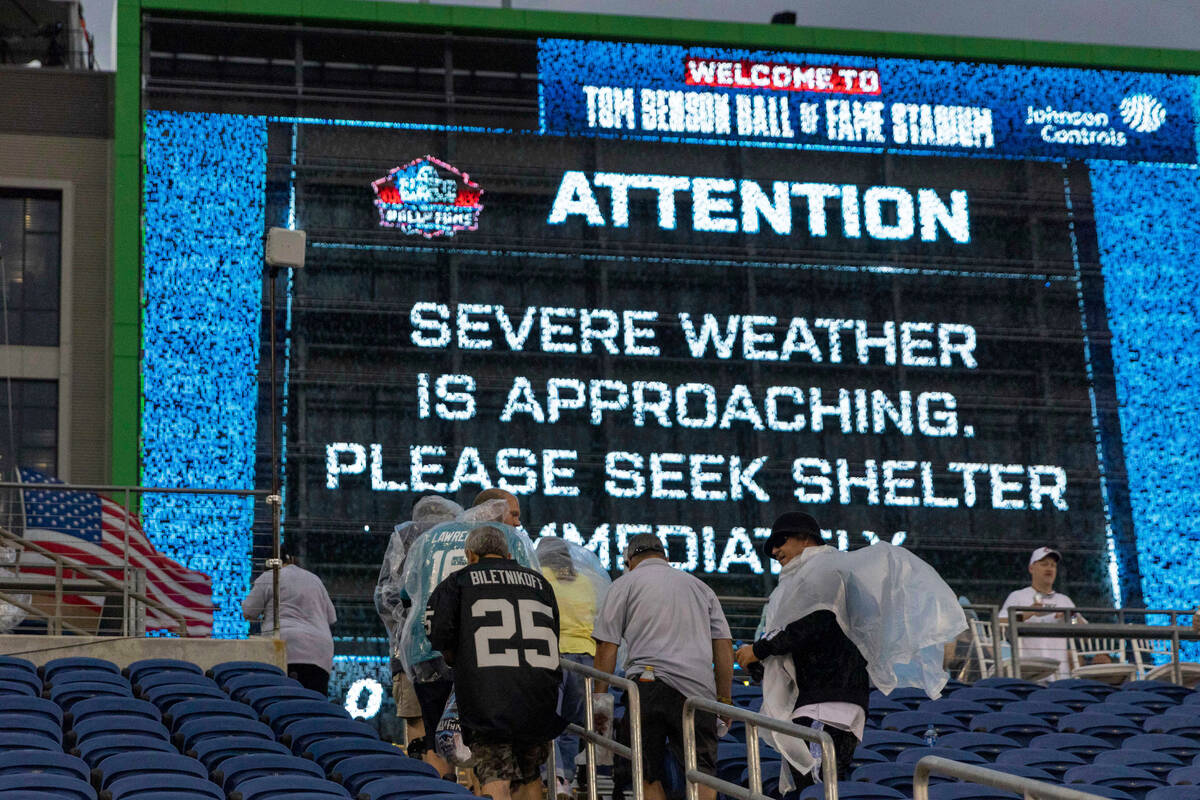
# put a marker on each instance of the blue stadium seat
(968, 791)
(880, 706)
(198, 729)
(1184, 776)
(50, 668)
(1076, 701)
(1157, 702)
(962, 710)
(149, 665)
(1110, 727)
(284, 787)
(233, 771)
(10, 740)
(909, 697)
(59, 787)
(115, 707)
(355, 773)
(1135, 714)
(1191, 699)
(32, 727)
(68, 694)
(865, 755)
(403, 787)
(280, 715)
(148, 681)
(33, 707)
(1077, 743)
(330, 752)
(212, 752)
(43, 761)
(1055, 762)
(770, 779)
(166, 695)
(952, 686)
(1127, 779)
(18, 663)
(890, 743)
(9, 688)
(1171, 690)
(123, 765)
(1051, 712)
(988, 745)
(134, 786)
(995, 699)
(261, 697)
(98, 748)
(222, 672)
(19, 675)
(1103, 791)
(1020, 688)
(1174, 724)
(237, 685)
(915, 754)
(86, 676)
(97, 725)
(1094, 688)
(1179, 746)
(891, 775)
(1157, 764)
(847, 790)
(301, 733)
(1023, 771)
(1022, 727)
(183, 711)
(1174, 793)
(917, 722)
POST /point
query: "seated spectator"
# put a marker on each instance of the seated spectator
(1043, 570)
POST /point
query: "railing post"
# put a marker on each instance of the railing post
(635, 741)
(753, 757)
(1014, 647)
(125, 569)
(1176, 669)
(589, 721)
(58, 594)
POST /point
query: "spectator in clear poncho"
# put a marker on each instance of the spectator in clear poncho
(580, 583)
(427, 512)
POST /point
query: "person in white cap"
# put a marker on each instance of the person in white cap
(1043, 569)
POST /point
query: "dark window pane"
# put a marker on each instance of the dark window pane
(31, 247)
(29, 427)
(42, 215)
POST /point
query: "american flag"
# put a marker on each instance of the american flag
(92, 530)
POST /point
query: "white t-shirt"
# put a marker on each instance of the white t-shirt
(305, 614)
(1037, 646)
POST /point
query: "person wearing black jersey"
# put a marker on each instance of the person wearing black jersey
(496, 623)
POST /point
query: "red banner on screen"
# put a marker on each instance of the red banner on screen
(781, 77)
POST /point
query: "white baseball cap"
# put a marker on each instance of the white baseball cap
(1042, 552)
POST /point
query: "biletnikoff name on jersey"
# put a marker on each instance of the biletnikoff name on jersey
(510, 577)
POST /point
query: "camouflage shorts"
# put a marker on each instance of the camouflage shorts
(504, 762)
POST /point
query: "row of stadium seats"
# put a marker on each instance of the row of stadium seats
(164, 730)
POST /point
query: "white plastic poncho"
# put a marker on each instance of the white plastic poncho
(427, 513)
(580, 583)
(892, 605)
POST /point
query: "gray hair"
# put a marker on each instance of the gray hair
(487, 541)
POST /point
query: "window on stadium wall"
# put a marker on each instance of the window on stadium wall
(681, 289)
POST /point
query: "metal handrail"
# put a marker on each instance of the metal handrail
(1028, 787)
(1114, 630)
(592, 738)
(121, 587)
(753, 721)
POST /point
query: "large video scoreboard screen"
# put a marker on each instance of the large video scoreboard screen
(945, 305)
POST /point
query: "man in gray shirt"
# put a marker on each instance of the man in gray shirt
(678, 645)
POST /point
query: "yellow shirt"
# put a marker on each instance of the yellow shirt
(576, 612)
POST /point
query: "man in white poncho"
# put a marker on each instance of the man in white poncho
(838, 622)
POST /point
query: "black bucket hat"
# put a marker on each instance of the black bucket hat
(789, 524)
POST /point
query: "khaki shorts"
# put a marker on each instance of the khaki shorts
(503, 762)
(406, 699)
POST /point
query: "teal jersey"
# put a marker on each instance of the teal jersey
(434, 557)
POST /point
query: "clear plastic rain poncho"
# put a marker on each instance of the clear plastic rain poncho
(427, 513)
(580, 583)
(431, 559)
(894, 607)
(10, 615)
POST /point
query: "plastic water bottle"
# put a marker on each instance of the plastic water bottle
(931, 736)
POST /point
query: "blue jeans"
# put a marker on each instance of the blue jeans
(566, 747)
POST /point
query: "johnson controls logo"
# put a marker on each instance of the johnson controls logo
(1143, 113)
(428, 197)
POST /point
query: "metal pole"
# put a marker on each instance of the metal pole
(635, 740)
(589, 721)
(1176, 669)
(274, 500)
(753, 757)
(125, 570)
(58, 593)
(1014, 648)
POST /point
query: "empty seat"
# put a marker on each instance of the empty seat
(10, 740)
(23, 676)
(197, 729)
(1118, 776)
(1074, 700)
(1135, 714)
(911, 698)
(1025, 772)
(330, 752)
(87, 676)
(222, 672)
(122, 765)
(1054, 762)
(150, 665)
(135, 786)
(1184, 776)
(212, 752)
(881, 706)
(1157, 702)
(406, 786)
(32, 727)
(962, 710)
(1080, 744)
(988, 745)
(1174, 793)
(1015, 686)
(863, 755)
(68, 694)
(183, 711)
(50, 668)
(113, 707)
(98, 748)
(236, 685)
(1174, 724)
(34, 707)
(233, 771)
(148, 681)
(917, 722)
(355, 773)
(60, 787)
(994, 699)
(1050, 712)
(1094, 688)
(1179, 746)
(166, 695)
(43, 761)
(284, 787)
(302, 733)
(280, 715)
(18, 663)
(1172, 690)
(261, 697)
(23, 688)
(1103, 791)
(890, 743)
(915, 754)
(1110, 727)
(847, 790)
(1022, 727)
(968, 791)
(100, 725)
(1158, 764)
(891, 775)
